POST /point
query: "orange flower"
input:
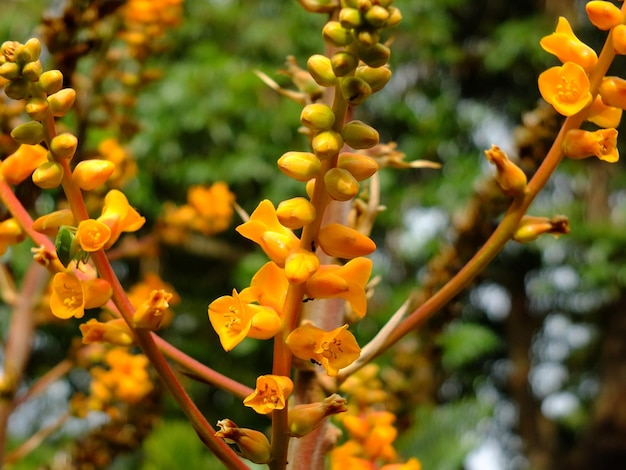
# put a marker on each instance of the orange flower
(114, 332)
(603, 115)
(566, 88)
(303, 419)
(264, 228)
(347, 282)
(270, 394)
(92, 235)
(268, 287)
(71, 296)
(151, 313)
(333, 350)
(343, 242)
(119, 216)
(511, 179)
(603, 15)
(20, 164)
(301, 265)
(252, 445)
(564, 44)
(582, 144)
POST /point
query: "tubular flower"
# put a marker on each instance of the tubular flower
(603, 115)
(344, 242)
(231, 319)
(71, 296)
(564, 44)
(510, 178)
(20, 164)
(114, 332)
(270, 394)
(582, 144)
(264, 228)
(532, 227)
(268, 287)
(333, 350)
(92, 235)
(214, 205)
(613, 92)
(603, 15)
(119, 216)
(303, 419)
(566, 88)
(347, 282)
(151, 313)
(252, 445)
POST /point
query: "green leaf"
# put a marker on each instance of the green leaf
(463, 343)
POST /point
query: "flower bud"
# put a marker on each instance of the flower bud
(29, 133)
(359, 135)
(32, 71)
(252, 445)
(301, 166)
(300, 266)
(602, 143)
(20, 164)
(355, 90)
(511, 179)
(303, 419)
(366, 37)
(37, 108)
(49, 224)
(349, 17)
(295, 213)
(619, 39)
(375, 56)
(376, 78)
(48, 175)
(51, 81)
(344, 242)
(603, 15)
(64, 145)
(343, 63)
(359, 166)
(114, 332)
(321, 70)
(32, 48)
(62, 101)
(327, 144)
(340, 184)
(336, 35)
(377, 16)
(531, 227)
(10, 71)
(613, 92)
(17, 89)
(603, 115)
(11, 232)
(89, 174)
(317, 116)
(395, 16)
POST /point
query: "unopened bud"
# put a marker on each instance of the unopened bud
(344, 63)
(32, 48)
(511, 179)
(295, 213)
(613, 92)
(367, 37)
(20, 164)
(49, 224)
(327, 144)
(601, 143)
(355, 90)
(37, 108)
(11, 232)
(17, 89)
(300, 266)
(350, 17)
(30, 133)
(340, 184)
(336, 35)
(48, 175)
(395, 16)
(531, 227)
(376, 78)
(359, 166)
(317, 116)
(32, 71)
(303, 419)
(51, 81)
(115, 332)
(8, 50)
(619, 39)
(252, 445)
(64, 145)
(301, 166)
(89, 174)
(151, 312)
(321, 70)
(603, 15)
(344, 242)
(10, 71)
(375, 56)
(359, 135)
(377, 16)
(62, 101)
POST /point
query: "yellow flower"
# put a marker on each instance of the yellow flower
(71, 296)
(564, 44)
(582, 144)
(347, 282)
(333, 350)
(264, 228)
(268, 287)
(119, 216)
(304, 418)
(511, 179)
(114, 332)
(343, 242)
(92, 235)
(300, 266)
(20, 164)
(151, 313)
(603, 15)
(566, 88)
(603, 115)
(270, 394)
(214, 205)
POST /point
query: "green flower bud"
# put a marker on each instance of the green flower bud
(10, 70)
(359, 166)
(376, 78)
(340, 184)
(22, 54)
(375, 56)
(30, 133)
(327, 144)
(336, 35)
(359, 135)
(377, 16)
(367, 37)
(301, 166)
(32, 71)
(355, 90)
(17, 89)
(61, 101)
(64, 145)
(395, 16)
(37, 108)
(350, 18)
(349, 3)
(317, 116)
(344, 63)
(48, 175)
(321, 70)
(51, 81)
